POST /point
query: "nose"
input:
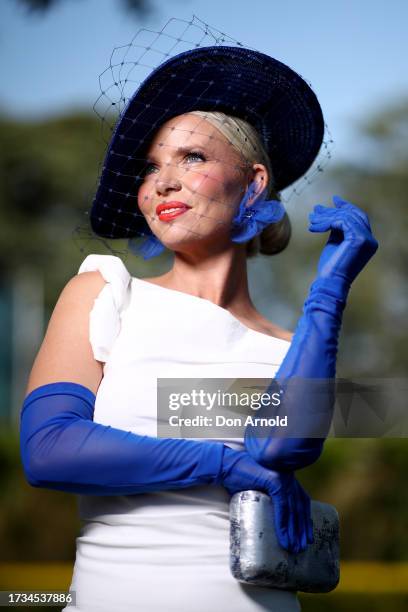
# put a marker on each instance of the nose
(167, 181)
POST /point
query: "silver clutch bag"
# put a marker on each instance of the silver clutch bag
(257, 558)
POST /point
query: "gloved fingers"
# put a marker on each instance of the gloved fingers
(320, 225)
(340, 203)
(307, 514)
(362, 228)
(347, 210)
(321, 208)
(301, 517)
(325, 223)
(310, 534)
(292, 522)
(308, 517)
(347, 221)
(281, 518)
(353, 213)
(334, 213)
(230, 490)
(342, 228)
(352, 227)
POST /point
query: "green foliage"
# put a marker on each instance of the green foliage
(365, 480)
(339, 602)
(376, 327)
(35, 524)
(48, 173)
(48, 176)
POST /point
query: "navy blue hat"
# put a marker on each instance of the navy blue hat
(237, 81)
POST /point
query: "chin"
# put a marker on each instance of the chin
(178, 237)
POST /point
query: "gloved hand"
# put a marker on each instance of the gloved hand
(351, 243)
(292, 508)
(311, 358)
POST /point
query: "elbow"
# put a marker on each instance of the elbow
(34, 469)
(285, 454)
(293, 457)
(36, 462)
(31, 474)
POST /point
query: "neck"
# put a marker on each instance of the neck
(219, 277)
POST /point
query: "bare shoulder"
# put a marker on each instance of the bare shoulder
(285, 334)
(280, 332)
(260, 323)
(66, 353)
(86, 285)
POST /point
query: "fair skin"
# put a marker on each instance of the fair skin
(206, 263)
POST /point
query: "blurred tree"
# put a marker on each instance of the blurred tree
(374, 337)
(48, 173)
(139, 7)
(376, 321)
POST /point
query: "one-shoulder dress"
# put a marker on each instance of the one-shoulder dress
(166, 551)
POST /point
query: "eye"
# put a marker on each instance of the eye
(147, 169)
(196, 155)
(150, 167)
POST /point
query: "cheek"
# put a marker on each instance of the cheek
(218, 184)
(143, 196)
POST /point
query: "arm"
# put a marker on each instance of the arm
(62, 448)
(307, 373)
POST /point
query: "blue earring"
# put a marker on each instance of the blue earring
(250, 220)
(150, 247)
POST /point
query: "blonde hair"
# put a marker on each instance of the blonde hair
(246, 139)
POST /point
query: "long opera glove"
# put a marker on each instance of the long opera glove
(62, 448)
(305, 380)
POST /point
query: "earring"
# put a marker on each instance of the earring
(150, 247)
(251, 219)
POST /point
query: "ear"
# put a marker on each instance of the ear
(259, 177)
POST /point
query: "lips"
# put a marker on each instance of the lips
(169, 210)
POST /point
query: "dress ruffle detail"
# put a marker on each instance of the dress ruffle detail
(104, 318)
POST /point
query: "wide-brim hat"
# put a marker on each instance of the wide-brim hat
(235, 80)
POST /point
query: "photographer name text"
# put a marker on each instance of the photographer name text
(222, 421)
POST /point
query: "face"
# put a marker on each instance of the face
(193, 183)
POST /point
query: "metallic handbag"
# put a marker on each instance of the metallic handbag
(257, 558)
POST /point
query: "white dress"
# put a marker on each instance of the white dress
(166, 551)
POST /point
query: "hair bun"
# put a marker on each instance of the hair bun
(273, 240)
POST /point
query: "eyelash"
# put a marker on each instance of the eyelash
(195, 153)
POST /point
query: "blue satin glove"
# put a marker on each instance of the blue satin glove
(62, 448)
(350, 246)
(305, 379)
(292, 508)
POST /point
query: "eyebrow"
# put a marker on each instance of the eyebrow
(179, 151)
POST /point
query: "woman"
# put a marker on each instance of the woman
(155, 511)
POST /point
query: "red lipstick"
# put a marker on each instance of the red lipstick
(178, 209)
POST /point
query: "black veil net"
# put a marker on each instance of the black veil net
(129, 66)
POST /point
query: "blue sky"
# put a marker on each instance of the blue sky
(352, 51)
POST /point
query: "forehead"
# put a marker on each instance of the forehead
(189, 129)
